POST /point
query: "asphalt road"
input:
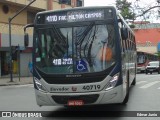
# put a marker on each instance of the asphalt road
(144, 96)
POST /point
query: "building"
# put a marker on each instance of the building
(147, 36)
(8, 8)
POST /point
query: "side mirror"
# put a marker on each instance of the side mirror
(26, 39)
(124, 33)
(26, 36)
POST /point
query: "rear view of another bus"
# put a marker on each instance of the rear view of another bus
(143, 58)
(141, 62)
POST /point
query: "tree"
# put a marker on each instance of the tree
(125, 9)
(146, 10)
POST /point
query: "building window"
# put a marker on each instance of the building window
(79, 3)
(5, 9)
(30, 17)
(67, 2)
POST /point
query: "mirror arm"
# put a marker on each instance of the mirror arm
(27, 26)
(120, 20)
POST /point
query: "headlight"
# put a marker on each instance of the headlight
(39, 85)
(112, 82)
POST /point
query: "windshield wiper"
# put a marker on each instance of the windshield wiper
(90, 47)
(80, 38)
(61, 40)
(83, 35)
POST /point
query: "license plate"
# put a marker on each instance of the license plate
(151, 70)
(75, 103)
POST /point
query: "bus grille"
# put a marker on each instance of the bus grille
(84, 78)
(87, 99)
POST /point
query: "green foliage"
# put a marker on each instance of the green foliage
(132, 26)
(159, 54)
(125, 9)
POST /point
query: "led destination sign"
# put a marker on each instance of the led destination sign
(73, 16)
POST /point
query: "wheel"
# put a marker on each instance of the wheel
(134, 81)
(158, 71)
(127, 92)
(150, 72)
(146, 72)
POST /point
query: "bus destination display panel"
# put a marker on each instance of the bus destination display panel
(76, 16)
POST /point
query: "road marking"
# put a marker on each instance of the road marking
(140, 82)
(150, 84)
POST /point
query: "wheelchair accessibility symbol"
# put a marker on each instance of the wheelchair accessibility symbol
(81, 65)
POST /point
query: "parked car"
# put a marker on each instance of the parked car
(153, 66)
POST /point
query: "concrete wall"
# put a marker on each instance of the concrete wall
(20, 19)
(15, 29)
(16, 39)
(147, 39)
(148, 49)
(41, 4)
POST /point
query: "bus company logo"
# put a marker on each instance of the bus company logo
(73, 75)
(74, 88)
(61, 89)
(6, 114)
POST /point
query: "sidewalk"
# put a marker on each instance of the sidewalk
(23, 80)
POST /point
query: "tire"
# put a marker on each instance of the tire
(158, 71)
(134, 81)
(127, 92)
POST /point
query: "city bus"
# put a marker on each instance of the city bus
(82, 56)
(143, 58)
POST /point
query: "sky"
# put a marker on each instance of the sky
(142, 3)
(111, 2)
(98, 2)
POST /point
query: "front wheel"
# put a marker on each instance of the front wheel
(134, 81)
(127, 92)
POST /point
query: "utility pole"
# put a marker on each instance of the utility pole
(10, 37)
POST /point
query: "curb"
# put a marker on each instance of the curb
(10, 84)
(14, 84)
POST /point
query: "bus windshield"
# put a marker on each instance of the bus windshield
(74, 49)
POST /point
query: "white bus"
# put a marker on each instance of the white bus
(82, 56)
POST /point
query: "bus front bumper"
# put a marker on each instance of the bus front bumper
(114, 95)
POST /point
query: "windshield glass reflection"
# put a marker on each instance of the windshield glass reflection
(76, 49)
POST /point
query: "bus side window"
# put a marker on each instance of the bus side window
(122, 41)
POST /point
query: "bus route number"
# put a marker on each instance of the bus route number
(91, 87)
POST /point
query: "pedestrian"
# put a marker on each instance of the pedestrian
(30, 66)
